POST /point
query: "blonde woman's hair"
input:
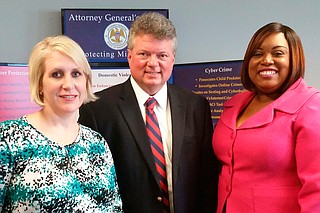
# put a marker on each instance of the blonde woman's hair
(45, 48)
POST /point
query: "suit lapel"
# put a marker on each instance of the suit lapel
(178, 112)
(130, 110)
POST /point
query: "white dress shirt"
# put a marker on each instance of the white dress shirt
(163, 113)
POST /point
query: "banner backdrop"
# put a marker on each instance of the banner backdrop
(102, 33)
(216, 81)
(14, 92)
(104, 77)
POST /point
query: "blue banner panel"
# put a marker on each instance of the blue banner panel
(102, 33)
(216, 81)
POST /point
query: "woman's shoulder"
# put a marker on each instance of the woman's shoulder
(18, 134)
(298, 95)
(93, 140)
(14, 125)
(90, 134)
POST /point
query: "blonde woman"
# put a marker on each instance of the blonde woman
(49, 162)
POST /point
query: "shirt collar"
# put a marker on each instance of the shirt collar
(142, 96)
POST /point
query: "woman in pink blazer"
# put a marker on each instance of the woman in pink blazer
(268, 138)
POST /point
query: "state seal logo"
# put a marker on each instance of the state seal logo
(116, 36)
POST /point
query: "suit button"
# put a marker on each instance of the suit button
(159, 199)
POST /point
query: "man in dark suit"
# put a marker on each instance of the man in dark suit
(184, 120)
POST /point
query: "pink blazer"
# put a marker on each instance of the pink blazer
(271, 163)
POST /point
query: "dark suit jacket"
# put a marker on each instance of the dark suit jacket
(116, 115)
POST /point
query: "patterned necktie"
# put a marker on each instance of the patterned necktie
(155, 139)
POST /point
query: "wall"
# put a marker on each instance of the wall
(208, 30)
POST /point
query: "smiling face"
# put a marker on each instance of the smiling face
(151, 62)
(63, 84)
(269, 65)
